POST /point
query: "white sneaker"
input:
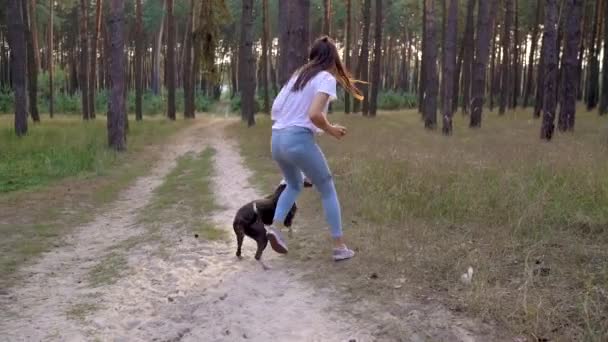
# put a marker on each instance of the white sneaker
(343, 253)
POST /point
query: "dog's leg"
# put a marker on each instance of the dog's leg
(240, 234)
(258, 253)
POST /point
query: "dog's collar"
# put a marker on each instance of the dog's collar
(255, 208)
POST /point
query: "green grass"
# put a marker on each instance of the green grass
(80, 311)
(108, 270)
(51, 193)
(185, 198)
(424, 207)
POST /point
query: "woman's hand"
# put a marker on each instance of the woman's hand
(337, 131)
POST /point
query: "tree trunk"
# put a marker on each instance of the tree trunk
(485, 17)
(550, 69)
(293, 36)
(84, 59)
(247, 64)
(50, 57)
(377, 59)
(327, 17)
(516, 69)
(188, 76)
(533, 45)
(139, 65)
(265, 59)
(449, 65)
(421, 71)
(170, 64)
(32, 70)
(431, 78)
(156, 52)
(593, 64)
(16, 41)
(493, 87)
(363, 64)
(469, 49)
(349, 32)
(505, 73)
(34, 34)
(581, 53)
(569, 73)
(604, 94)
(94, 47)
(116, 106)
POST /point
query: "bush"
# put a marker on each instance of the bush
(391, 100)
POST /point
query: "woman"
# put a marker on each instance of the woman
(298, 113)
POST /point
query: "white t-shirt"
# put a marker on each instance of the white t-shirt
(290, 108)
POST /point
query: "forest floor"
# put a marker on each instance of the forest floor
(158, 264)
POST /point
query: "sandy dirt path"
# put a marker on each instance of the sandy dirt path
(197, 291)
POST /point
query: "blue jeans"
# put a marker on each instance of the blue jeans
(295, 150)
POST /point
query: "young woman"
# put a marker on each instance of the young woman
(298, 113)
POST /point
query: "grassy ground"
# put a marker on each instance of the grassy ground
(56, 177)
(530, 217)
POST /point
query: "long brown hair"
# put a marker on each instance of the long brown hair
(324, 56)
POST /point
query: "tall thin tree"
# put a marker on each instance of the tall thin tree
(116, 107)
(34, 29)
(593, 61)
(293, 36)
(50, 57)
(604, 93)
(569, 73)
(377, 59)
(468, 46)
(449, 65)
(265, 59)
(139, 63)
(550, 69)
(363, 64)
(32, 69)
(188, 77)
(431, 77)
(84, 59)
(171, 66)
(349, 33)
(533, 45)
(246, 61)
(94, 48)
(485, 17)
(16, 41)
(505, 73)
(327, 17)
(516, 58)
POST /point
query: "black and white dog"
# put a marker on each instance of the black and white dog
(252, 218)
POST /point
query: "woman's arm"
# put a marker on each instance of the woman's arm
(315, 113)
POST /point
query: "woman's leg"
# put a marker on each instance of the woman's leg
(291, 174)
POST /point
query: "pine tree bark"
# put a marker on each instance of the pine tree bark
(533, 46)
(349, 33)
(469, 49)
(485, 17)
(34, 29)
(581, 53)
(84, 59)
(373, 102)
(16, 41)
(550, 69)
(265, 58)
(156, 52)
(422, 64)
(139, 65)
(431, 78)
(569, 73)
(293, 36)
(604, 93)
(246, 63)
(50, 57)
(505, 73)
(516, 58)
(170, 64)
(116, 105)
(493, 79)
(593, 64)
(94, 47)
(327, 17)
(363, 64)
(32, 70)
(188, 68)
(449, 65)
